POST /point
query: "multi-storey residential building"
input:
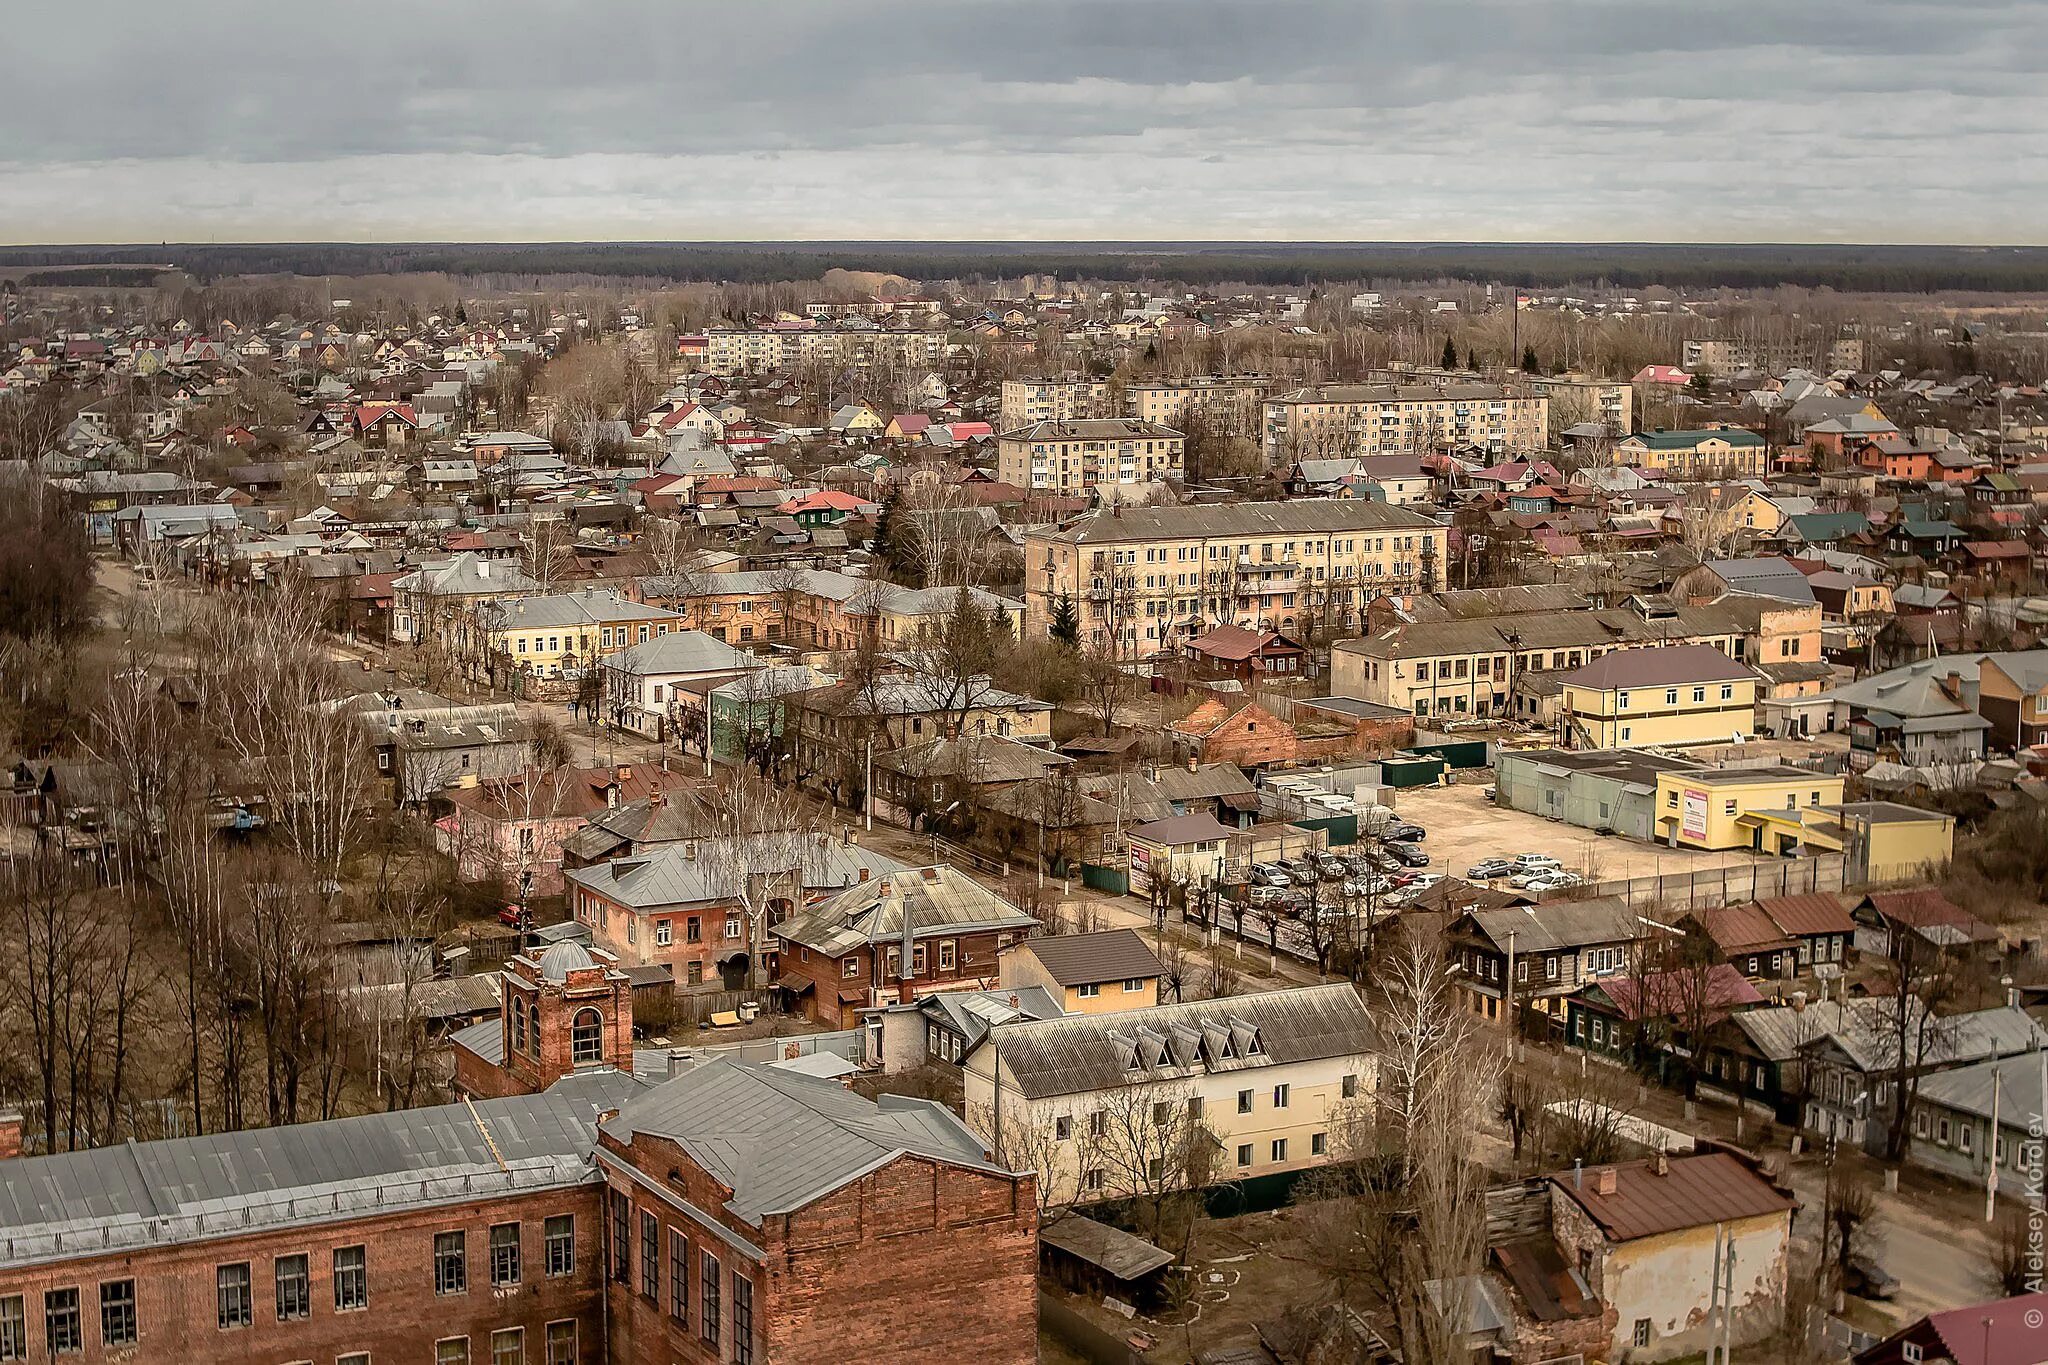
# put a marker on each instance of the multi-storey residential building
(1576, 398)
(1675, 695)
(434, 597)
(1114, 1105)
(1066, 459)
(1498, 664)
(784, 348)
(1713, 452)
(1068, 398)
(1143, 580)
(1232, 404)
(1336, 420)
(559, 634)
(1725, 355)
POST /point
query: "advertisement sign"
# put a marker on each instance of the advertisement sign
(1695, 826)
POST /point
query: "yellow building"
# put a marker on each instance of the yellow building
(1759, 808)
(1577, 398)
(1715, 452)
(1101, 973)
(1067, 458)
(1143, 579)
(1230, 403)
(545, 636)
(1666, 695)
(1882, 840)
(1107, 1106)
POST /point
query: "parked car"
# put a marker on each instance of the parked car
(1536, 862)
(1408, 855)
(1358, 865)
(1301, 870)
(1266, 895)
(1544, 881)
(1423, 881)
(1487, 793)
(1486, 869)
(1405, 833)
(1269, 876)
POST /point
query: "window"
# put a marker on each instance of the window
(1162, 1113)
(1909, 1351)
(451, 1351)
(13, 1328)
(742, 1320)
(508, 1346)
(518, 1023)
(1089, 991)
(1091, 1181)
(650, 1255)
(1063, 1128)
(562, 1342)
(117, 1313)
(351, 1279)
(707, 1299)
(1318, 1144)
(622, 1230)
(1642, 1332)
(1350, 1088)
(63, 1333)
(1134, 986)
(1194, 1109)
(451, 1263)
(294, 1282)
(232, 1301)
(1280, 1096)
(586, 1037)
(1098, 1124)
(693, 932)
(1550, 969)
(1244, 1101)
(732, 926)
(504, 1254)
(1279, 1149)
(678, 1276)
(663, 933)
(558, 1247)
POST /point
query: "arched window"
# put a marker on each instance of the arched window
(586, 1037)
(533, 1030)
(519, 1023)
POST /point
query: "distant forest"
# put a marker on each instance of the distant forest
(1850, 269)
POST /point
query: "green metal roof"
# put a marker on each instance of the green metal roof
(1686, 440)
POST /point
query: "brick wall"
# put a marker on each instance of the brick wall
(177, 1312)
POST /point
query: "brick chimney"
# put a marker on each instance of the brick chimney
(1660, 1164)
(10, 1134)
(1604, 1181)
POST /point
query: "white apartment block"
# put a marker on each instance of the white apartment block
(1066, 459)
(728, 351)
(1336, 420)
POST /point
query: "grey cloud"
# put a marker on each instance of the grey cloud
(1124, 118)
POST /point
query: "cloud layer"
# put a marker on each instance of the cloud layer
(1127, 119)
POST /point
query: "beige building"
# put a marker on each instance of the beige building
(1393, 419)
(1102, 973)
(1640, 698)
(1143, 580)
(1231, 404)
(1576, 398)
(1067, 458)
(1708, 453)
(1113, 1105)
(728, 351)
(1027, 402)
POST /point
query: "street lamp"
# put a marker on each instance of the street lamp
(933, 825)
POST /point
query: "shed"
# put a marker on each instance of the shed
(1094, 1258)
(1412, 770)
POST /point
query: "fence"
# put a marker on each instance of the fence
(1083, 1337)
(1711, 887)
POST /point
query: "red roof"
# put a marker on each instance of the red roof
(910, 423)
(369, 414)
(2002, 1332)
(1661, 374)
(1926, 908)
(1996, 549)
(1661, 995)
(825, 500)
(1741, 929)
(1818, 912)
(962, 431)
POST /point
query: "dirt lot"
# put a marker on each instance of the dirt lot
(1465, 827)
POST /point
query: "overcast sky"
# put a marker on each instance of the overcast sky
(1684, 120)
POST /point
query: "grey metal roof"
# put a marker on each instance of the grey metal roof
(584, 607)
(1968, 1089)
(937, 901)
(683, 651)
(1768, 577)
(1088, 1052)
(1560, 924)
(183, 1189)
(696, 871)
(780, 1139)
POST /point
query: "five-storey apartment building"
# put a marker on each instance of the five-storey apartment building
(1142, 580)
(1334, 420)
(1065, 459)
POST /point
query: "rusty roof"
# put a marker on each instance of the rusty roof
(1695, 1191)
(1741, 929)
(1818, 912)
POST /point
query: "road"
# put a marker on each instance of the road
(1934, 1240)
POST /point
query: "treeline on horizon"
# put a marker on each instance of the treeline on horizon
(1848, 269)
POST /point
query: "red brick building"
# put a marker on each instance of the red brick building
(847, 953)
(725, 1214)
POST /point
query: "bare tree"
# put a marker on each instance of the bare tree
(758, 856)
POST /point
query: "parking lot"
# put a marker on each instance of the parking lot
(1464, 827)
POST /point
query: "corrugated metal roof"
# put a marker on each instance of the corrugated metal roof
(780, 1139)
(1081, 1052)
(1087, 959)
(937, 900)
(1695, 1191)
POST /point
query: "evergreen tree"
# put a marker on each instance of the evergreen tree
(1471, 359)
(1529, 363)
(1065, 627)
(883, 544)
(1450, 360)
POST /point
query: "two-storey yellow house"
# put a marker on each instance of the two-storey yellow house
(1101, 973)
(1665, 695)
(1759, 808)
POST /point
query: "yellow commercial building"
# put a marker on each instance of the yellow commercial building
(1661, 696)
(1759, 808)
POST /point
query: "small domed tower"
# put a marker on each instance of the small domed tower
(566, 1010)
